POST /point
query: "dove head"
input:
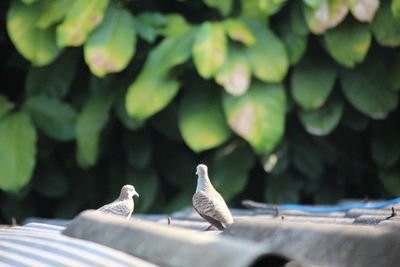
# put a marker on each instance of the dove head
(201, 170)
(128, 191)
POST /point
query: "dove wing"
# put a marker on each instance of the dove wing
(212, 208)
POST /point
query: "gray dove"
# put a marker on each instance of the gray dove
(123, 205)
(208, 202)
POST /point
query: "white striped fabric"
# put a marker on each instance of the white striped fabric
(37, 244)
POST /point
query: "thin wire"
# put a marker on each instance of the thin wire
(337, 209)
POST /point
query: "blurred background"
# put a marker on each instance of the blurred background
(285, 101)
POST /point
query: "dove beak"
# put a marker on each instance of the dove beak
(136, 194)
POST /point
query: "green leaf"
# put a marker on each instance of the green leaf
(148, 25)
(307, 158)
(348, 43)
(393, 77)
(223, 6)
(297, 20)
(395, 8)
(53, 80)
(82, 17)
(55, 118)
(385, 145)
(385, 27)
(17, 151)
(53, 12)
(260, 9)
(283, 189)
(153, 88)
(146, 184)
(90, 122)
(323, 120)
(175, 25)
(138, 149)
(5, 105)
(238, 31)
(209, 49)
(258, 116)
(176, 164)
(314, 3)
(36, 45)
(120, 108)
(201, 120)
(366, 89)
(267, 58)
(391, 180)
(354, 120)
(230, 168)
(166, 122)
(364, 10)
(295, 44)
(325, 15)
(51, 180)
(148, 95)
(235, 74)
(312, 82)
(28, 2)
(111, 45)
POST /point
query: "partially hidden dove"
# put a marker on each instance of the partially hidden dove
(208, 202)
(123, 205)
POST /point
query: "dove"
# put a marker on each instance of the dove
(208, 202)
(123, 205)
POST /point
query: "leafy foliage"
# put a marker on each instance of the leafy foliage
(285, 101)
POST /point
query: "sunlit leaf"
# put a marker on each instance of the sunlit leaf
(5, 105)
(146, 184)
(55, 118)
(235, 74)
(238, 31)
(323, 120)
(209, 49)
(312, 82)
(154, 88)
(395, 7)
(385, 145)
(230, 169)
(111, 45)
(82, 17)
(201, 120)
(326, 15)
(267, 58)
(175, 25)
(36, 45)
(260, 8)
(90, 122)
(17, 151)
(364, 10)
(348, 43)
(53, 80)
(120, 109)
(53, 12)
(148, 25)
(365, 87)
(258, 116)
(385, 27)
(224, 6)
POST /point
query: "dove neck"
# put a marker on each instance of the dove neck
(203, 183)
